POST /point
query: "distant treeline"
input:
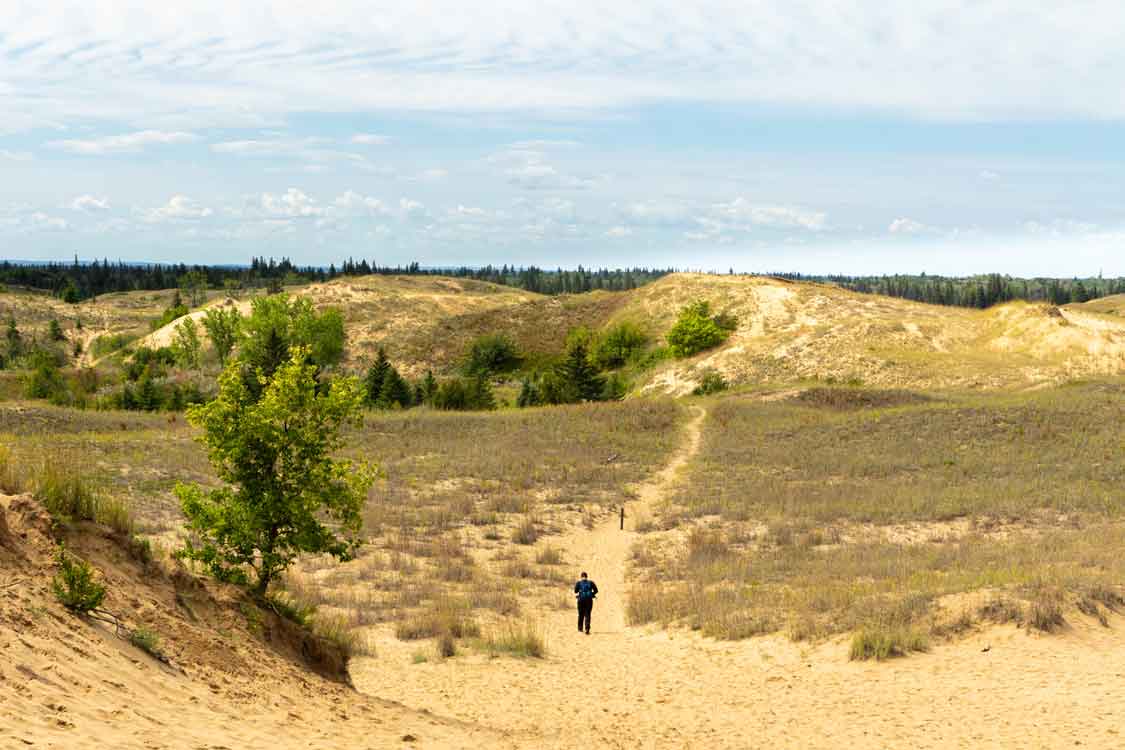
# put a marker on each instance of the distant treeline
(973, 291)
(77, 281)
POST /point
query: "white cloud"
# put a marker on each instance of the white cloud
(89, 204)
(1061, 228)
(123, 144)
(292, 203)
(41, 222)
(433, 175)
(353, 203)
(904, 225)
(618, 231)
(989, 175)
(656, 212)
(370, 139)
(178, 208)
(232, 63)
(15, 155)
(743, 211)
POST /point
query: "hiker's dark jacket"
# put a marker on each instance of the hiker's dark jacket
(586, 590)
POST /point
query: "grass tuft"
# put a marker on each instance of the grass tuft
(881, 643)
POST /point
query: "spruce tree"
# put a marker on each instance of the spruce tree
(376, 375)
(581, 376)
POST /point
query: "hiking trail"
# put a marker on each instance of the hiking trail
(670, 688)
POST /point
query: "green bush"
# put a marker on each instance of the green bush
(619, 345)
(146, 640)
(697, 330)
(74, 585)
(712, 382)
(464, 394)
(491, 354)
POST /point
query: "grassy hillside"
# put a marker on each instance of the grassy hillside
(790, 332)
(848, 509)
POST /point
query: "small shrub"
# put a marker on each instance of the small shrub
(446, 645)
(445, 616)
(148, 641)
(1045, 612)
(491, 354)
(523, 640)
(526, 533)
(696, 330)
(1002, 610)
(1088, 606)
(712, 382)
(74, 585)
(549, 556)
(620, 344)
(291, 608)
(883, 642)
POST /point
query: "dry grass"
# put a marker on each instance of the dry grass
(820, 521)
(524, 639)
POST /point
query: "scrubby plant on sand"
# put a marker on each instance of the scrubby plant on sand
(274, 454)
(74, 585)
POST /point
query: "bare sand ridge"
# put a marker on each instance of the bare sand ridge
(70, 684)
(625, 687)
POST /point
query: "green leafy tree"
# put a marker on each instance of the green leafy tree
(186, 346)
(222, 324)
(273, 452)
(55, 331)
(193, 285)
(45, 380)
(278, 324)
(696, 330)
(618, 345)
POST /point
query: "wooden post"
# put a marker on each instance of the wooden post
(622, 516)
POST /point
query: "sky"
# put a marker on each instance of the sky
(854, 137)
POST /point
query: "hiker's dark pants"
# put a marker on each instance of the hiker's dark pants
(584, 608)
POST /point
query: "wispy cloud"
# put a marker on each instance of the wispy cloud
(370, 139)
(90, 204)
(123, 144)
(178, 208)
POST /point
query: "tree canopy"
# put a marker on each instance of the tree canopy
(283, 492)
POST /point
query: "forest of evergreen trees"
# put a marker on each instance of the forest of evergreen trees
(973, 291)
(77, 281)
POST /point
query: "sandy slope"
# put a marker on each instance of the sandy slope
(71, 684)
(625, 687)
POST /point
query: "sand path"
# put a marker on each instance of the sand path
(629, 687)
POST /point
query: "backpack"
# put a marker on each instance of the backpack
(585, 590)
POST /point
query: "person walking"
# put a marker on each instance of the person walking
(585, 590)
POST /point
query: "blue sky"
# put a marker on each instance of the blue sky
(825, 137)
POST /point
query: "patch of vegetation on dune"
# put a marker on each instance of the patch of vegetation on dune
(879, 521)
